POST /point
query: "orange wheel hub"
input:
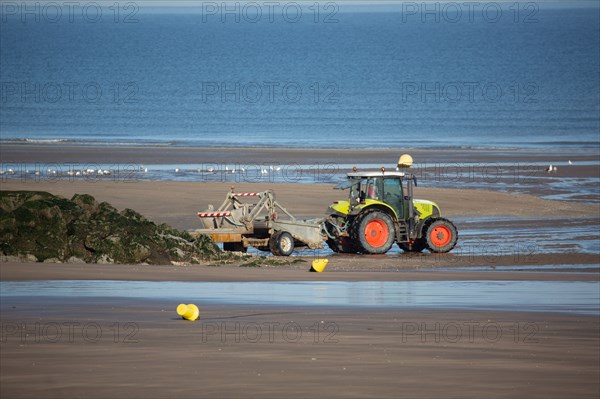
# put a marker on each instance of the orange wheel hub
(376, 233)
(440, 236)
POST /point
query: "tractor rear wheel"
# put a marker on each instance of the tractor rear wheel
(374, 232)
(441, 235)
(281, 243)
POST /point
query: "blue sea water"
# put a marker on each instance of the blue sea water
(371, 76)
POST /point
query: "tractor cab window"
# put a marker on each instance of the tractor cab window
(393, 194)
(369, 189)
(355, 191)
(372, 191)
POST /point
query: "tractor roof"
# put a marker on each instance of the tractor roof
(376, 174)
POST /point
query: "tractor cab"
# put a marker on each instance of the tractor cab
(381, 210)
(377, 188)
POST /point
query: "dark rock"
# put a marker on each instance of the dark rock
(44, 226)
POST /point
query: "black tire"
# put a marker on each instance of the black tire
(281, 243)
(417, 246)
(380, 240)
(234, 247)
(441, 235)
(341, 245)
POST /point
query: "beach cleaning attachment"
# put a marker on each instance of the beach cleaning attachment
(256, 219)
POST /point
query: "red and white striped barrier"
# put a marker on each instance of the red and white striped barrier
(213, 214)
(246, 194)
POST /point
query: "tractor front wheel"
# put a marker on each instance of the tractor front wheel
(281, 243)
(374, 232)
(441, 235)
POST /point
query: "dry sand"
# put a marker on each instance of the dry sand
(177, 203)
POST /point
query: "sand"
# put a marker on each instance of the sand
(145, 351)
(61, 153)
(177, 203)
(139, 349)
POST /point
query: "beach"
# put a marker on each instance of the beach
(251, 349)
(120, 122)
(360, 354)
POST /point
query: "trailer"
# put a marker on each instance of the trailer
(256, 219)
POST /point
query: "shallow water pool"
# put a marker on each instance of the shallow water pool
(552, 296)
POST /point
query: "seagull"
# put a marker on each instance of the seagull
(176, 170)
(550, 168)
(278, 168)
(78, 173)
(226, 167)
(232, 170)
(210, 170)
(146, 170)
(570, 163)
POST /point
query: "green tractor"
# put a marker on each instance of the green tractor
(381, 211)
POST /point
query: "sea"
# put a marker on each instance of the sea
(447, 75)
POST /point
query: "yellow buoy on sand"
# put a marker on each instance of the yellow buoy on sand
(188, 312)
(318, 265)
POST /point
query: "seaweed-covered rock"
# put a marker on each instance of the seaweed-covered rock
(50, 227)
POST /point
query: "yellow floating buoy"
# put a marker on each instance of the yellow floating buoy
(318, 265)
(188, 312)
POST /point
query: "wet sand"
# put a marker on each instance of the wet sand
(339, 269)
(147, 154)
(140, 349)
